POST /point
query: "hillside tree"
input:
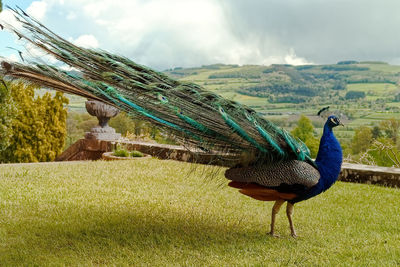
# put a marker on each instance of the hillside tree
(391, 129)
(305, 132)
(362, 139)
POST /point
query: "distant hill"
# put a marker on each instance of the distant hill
(293, 84)
(363, 93)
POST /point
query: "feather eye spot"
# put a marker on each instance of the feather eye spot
(162, 98)
(221, 110)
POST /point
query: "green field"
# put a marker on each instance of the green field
(377, 105)
(154, 213)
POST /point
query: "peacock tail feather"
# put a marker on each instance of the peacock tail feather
(202, 120)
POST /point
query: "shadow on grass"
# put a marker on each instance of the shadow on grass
(121, 233)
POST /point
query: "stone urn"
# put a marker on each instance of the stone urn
(104, 113)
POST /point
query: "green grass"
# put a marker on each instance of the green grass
(152, 212)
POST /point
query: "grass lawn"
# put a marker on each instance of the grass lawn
(154, 213)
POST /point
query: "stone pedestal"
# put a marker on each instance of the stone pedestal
(103, 133)
(104, 113)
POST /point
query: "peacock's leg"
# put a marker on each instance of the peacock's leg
(275, 210)
(289, 213)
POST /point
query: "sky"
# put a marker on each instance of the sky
(165, 34)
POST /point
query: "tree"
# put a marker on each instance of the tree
(39, 126)
(362, 139)
(305, 132)
(391, 128)
(1, 6)
(7, 111)
(339, 85)
(354, 95)
(77, 124)
(376, 132)
(384, 153)
(123, 123)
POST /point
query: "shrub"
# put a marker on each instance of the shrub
(38, 126)
(7, 113)
(121, 153)
(136, 153)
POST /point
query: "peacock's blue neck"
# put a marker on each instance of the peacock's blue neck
(329, 162)
(329, 158)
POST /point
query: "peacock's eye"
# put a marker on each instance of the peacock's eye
(162, 98)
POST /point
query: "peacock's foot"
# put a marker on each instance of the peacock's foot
(273, 234)
(294, 235)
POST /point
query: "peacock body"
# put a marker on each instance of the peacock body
(265, 161)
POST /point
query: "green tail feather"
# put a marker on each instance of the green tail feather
(193, 114)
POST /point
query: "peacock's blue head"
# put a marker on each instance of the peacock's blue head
(333, 121)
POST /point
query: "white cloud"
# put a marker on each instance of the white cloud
(7, 17)
(292, 59)
(87, 41)
(33, 52)
(13, 58)
(171, 33)
(160, 34)
(164, 34)
(37, 9)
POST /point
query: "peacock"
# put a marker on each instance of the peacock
(265, 162)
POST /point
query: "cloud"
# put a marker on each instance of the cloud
(87, 41)
(161, 34)
(164, 34)
(7, 17)
(13, 58)
(320, 31)
(292, 59)
(37, 9)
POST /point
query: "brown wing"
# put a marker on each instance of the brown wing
(260, 192)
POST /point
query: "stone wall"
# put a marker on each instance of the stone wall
(92, 149)
(367, 174)
(86, 149)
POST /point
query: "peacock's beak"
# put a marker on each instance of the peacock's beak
(341, 124)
